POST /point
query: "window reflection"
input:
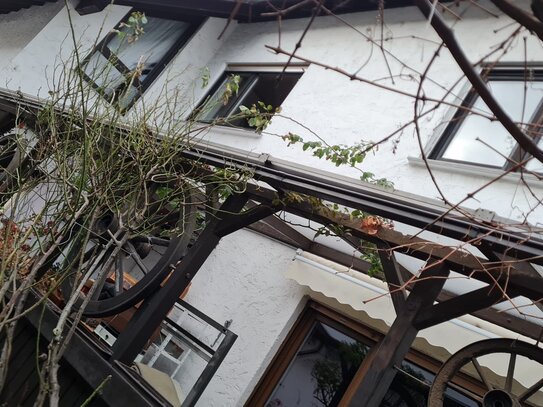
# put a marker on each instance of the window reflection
(123, 66)
(327, 361)
(321, 370)
(479, 140)
(254, 87)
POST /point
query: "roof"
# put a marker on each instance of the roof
(7, 6)
(241, 10)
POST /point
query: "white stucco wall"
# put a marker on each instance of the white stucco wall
(343, 111)
(17, 29)
(243, 280)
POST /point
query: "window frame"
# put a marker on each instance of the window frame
(251, 69)
(195, 23)
(516, 72)
(313, 312)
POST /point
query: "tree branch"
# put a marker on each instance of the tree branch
(520, 16)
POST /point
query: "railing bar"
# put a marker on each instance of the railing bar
(202, 316)
(209, 371)
(191, 337)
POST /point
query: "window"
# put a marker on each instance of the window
(128, 60)
(268, 87)
(320, 358)
(476, 140)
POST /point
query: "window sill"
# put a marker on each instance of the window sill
(474, 170)
(217, 130)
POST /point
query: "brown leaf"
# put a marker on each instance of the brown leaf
(371, 225)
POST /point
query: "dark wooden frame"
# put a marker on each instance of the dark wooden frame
(102, 49)
(313, 312)
(510, 72)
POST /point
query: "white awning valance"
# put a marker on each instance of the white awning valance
(370, 298)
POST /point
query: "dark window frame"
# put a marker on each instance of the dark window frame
(510, 72)
(194, 25)
(313, 312)
(254, 71)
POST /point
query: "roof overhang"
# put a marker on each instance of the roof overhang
(241, 10)
(7, 6)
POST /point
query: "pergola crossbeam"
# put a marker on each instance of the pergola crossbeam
(460, 305)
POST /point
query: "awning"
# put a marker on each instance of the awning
(371, 304)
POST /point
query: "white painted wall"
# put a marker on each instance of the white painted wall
(337, 109)
(243, 280)
(341, 111)
(17, 29)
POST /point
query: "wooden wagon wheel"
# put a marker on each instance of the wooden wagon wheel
(503, 395)
(136, 267)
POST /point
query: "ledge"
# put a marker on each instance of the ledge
(475, 170)
(217, 131)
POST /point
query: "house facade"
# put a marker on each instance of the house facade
(293, 310)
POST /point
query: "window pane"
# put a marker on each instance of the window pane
(216, 107)
(269, 88)
(411, 386)
(104, 74)
(536, 165)
(159, 37)
(272, 89)
(321, 370)
(465, 145)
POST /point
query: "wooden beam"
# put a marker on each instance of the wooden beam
(277, 229)
(455, 307)
(376, 373)
(515, 323)
(393, 276)
(458, 260)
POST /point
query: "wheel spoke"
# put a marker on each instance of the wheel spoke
(119, 274)
(531, 391)
(510, 372)
(480, 372)
(134, 254)
(158, 241)
(99, 283)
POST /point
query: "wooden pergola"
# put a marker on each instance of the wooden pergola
(510, 253)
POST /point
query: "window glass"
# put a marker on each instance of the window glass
(104, 74)
(159, 37)
(474, 136)
(112, 64)
(321, 370)
(534, 164)
(320, 359)
(219, 105)
(269, 88)
(410, 388)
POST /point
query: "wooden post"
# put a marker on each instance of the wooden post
(378, 369)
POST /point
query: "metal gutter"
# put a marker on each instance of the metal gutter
(399, 206)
